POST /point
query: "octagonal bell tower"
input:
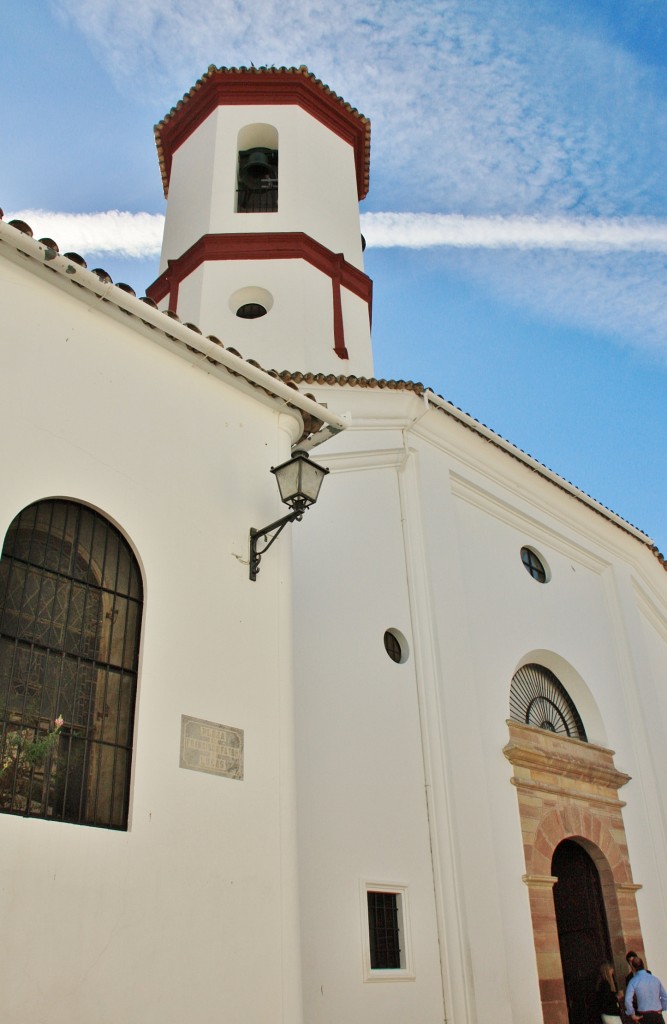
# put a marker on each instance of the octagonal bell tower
(263, 170)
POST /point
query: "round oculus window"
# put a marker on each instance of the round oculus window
(251, 302)
(396, 646)
(534, 565)
(251, 310)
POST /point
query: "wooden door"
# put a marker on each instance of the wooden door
(583, 934)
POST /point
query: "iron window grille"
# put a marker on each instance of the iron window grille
(262, 198)
(384, 931)
(392, 646)
(70, 611)
(537, 697)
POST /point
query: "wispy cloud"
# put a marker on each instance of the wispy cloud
(420, 231)
(113, 232)
(139, 235)
(527, 126)
(620, 294)
(482, 108)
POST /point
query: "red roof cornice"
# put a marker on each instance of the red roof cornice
(268, 86)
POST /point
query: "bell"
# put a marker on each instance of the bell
(258, 164)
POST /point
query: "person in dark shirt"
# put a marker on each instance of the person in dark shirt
(608, 996)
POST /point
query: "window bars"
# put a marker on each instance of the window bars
(70, 614)
(537, 697)
(383, 930)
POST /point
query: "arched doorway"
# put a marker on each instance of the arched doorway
(568, 789)
(583, 933)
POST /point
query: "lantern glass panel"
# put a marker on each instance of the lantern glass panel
(312, 476)
(287, 476)
(299, 480)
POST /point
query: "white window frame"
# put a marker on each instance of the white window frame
(406, 972)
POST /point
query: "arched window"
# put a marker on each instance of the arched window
(537, 697)
(70, 613)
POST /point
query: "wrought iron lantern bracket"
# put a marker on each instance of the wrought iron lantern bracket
(270, 533)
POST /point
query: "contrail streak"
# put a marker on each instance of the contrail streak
(139, 235)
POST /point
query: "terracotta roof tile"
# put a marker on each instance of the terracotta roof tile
(352, 381)
(21, 226)
(75, 257)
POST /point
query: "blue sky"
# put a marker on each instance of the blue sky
(517, 217)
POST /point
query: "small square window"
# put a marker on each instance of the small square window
(386, 941)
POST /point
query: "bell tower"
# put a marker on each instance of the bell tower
(263, 170)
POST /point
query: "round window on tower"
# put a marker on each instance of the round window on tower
(250, 303)
(251, 310)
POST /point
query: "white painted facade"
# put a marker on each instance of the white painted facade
(169, 919)
(420, 793)
(245, 900)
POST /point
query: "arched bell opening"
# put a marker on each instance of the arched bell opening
(257, 172)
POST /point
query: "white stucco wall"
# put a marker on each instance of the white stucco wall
(298, 330)
(169, 920)
(421, 529)
(362, 804)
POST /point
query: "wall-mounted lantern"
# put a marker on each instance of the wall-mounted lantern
(299, 482)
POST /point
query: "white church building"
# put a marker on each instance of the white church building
(413, 771)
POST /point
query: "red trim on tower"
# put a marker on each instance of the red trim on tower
(339, 332)
(270, 87)
(173, 292)
(279, 245)
(291, 245)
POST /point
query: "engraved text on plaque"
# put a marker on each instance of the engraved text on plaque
(213, 748)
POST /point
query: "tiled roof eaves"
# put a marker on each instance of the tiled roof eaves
(351, 381)
(470, 423)
(72, 268)
(203, 92)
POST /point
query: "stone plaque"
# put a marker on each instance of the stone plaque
(209, 747)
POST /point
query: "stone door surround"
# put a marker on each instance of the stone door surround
(568, 789)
